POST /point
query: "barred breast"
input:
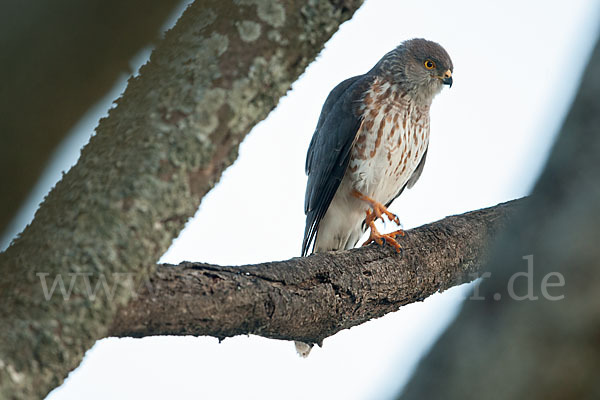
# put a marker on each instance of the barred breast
(391, 140)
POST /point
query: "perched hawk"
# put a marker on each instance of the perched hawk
(370, 143)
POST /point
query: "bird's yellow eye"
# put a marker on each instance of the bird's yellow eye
(429, 64)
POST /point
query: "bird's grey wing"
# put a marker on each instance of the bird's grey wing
(418, 171)
(413, 178)
(329, 152)
(333, 97)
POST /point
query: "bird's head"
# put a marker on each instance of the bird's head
(421, 66)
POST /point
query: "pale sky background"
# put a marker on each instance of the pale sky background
(517, 64)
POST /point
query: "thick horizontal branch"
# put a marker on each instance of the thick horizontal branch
(312, 298)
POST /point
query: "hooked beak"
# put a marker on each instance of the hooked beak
(447, 79)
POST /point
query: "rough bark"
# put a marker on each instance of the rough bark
(544, 348)
(56, 59)
(218, 72)
(309, 299)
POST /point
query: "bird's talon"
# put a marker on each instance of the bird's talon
(385, 238)
(378, 210)
(398, 232)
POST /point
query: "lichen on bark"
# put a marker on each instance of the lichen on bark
(161, 148)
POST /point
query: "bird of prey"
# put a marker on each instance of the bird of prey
(370, 144)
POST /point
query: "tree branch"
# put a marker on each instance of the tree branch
(58, 58)
(309, 299)
(219, 71)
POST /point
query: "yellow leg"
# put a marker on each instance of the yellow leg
(379, 210)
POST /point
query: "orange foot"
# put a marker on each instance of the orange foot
(375, 236)
(379, 210)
